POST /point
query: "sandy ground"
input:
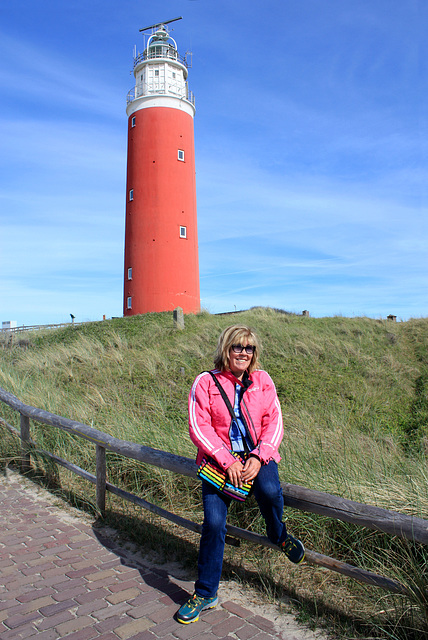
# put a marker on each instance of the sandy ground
(285, 622)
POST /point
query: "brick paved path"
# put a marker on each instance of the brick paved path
(60, 580)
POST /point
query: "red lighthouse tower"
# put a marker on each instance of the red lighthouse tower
(161, 243)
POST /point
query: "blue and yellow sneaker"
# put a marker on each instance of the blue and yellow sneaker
(293, 549)
(190, 610)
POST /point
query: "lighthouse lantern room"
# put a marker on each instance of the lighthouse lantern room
(161, 241)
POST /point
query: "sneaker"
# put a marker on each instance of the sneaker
(190, 610)
(293, 549)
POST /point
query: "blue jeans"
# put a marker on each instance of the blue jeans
(267, 491)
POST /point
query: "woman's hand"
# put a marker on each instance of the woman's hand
(238, 473)
(251, 468)
(235, 473)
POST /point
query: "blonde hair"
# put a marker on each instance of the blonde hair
(236, 334)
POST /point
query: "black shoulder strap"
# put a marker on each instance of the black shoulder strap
(229, 406)
(223, 395)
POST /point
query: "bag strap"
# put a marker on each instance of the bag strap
(231, 411)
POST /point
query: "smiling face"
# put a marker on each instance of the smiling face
(226, 359)
(239, 362)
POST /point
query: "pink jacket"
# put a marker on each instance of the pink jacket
(210, 420)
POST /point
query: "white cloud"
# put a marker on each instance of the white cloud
(43, 76)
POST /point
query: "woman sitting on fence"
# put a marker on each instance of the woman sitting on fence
(251, 428)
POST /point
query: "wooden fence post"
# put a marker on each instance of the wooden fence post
(25, 440)
(101, 478)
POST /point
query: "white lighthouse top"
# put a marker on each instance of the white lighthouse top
(160, 72)
(159, 47)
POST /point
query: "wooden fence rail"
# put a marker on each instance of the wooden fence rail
(301, 498)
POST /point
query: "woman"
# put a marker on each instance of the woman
(255, 434)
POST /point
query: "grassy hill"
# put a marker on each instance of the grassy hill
(354, 394)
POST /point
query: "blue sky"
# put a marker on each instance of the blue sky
(311, 153)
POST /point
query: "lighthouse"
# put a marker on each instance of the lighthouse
(161, 242)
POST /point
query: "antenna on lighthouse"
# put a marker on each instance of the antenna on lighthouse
(159, 24)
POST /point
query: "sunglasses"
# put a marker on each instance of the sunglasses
(238, 348)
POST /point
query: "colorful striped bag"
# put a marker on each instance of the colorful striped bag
(209, 471)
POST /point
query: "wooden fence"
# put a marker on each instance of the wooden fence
(404, 526)
(36, 327)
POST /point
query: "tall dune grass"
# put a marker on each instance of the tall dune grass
(354, 399)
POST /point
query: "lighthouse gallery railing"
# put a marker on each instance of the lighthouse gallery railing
(165, 90)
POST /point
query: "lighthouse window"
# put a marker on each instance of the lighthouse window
(131, 194)
(130, 273)
(129, 302)
(156, 72)
(183, 232)
(133, 121)
(181, 155)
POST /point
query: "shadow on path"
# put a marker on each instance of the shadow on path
(63, 578)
